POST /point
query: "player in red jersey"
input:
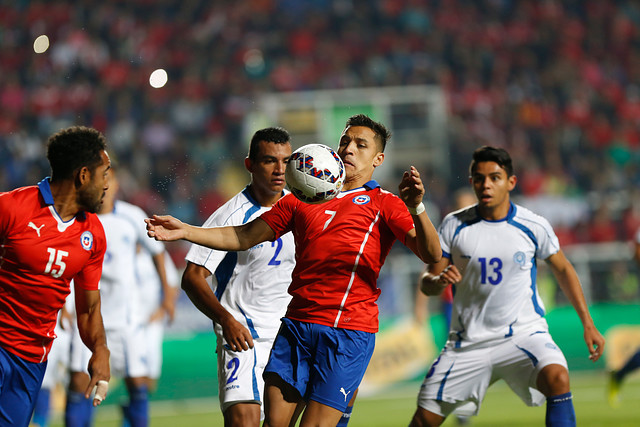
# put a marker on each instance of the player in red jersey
(49, 235)
(327, 335)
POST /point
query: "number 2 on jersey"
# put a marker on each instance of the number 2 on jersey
(55, 258)
(278, 245)
(494, 276)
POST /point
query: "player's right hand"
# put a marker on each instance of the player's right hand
(165, 228)
(236, 336)
(449, 275)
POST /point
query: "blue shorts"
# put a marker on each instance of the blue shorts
(323, 363)
(19, 386)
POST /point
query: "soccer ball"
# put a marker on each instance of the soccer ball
(315, 173)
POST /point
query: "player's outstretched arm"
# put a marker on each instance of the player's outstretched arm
(438, 276)
(232, 238)
(91, 331)
(569, 282)
(196, 286)
(423, 239)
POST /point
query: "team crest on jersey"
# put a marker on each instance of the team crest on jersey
(362, 199)
(520, 258)
(86, 240)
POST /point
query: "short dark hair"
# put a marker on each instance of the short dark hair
(382, 134)
(492, 154)
(72, 148)
(273, 134)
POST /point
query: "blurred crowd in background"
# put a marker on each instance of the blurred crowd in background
(557, 83)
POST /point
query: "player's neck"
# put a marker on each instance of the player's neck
(266, 199)
(494, 213)
(355, 182)
(64, 199)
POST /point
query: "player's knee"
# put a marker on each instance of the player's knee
(242, 414)
(424, 418)
(553, 380)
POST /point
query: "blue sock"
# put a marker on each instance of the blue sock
(139, 407)
(560, 412)
(41, 410)
(632, 364)
(78, 411)
(346, 416)
(126, 415)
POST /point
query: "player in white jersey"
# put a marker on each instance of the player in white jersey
(125, 230)
(250, 286)
(490, 254)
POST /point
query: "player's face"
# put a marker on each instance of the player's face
(92, 192)
(360, 153)
(267, 171)
(492, 186)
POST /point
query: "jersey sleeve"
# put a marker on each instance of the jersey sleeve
(397, 217)
(204, 256)
(280, 216)
(445, 233)
(89, 277)
(137, 215)
(548, 243)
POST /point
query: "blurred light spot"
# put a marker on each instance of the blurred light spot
(254, 62)
(41, 44)
(158, 78)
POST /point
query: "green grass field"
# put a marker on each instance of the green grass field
(395, 407)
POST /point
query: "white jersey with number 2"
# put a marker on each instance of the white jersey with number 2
(252, 285)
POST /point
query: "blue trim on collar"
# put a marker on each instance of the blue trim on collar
(248, 195)
(510, 214)
(45, 190)
(371, 185)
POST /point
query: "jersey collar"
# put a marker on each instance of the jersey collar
(371, 185)
(45, 191)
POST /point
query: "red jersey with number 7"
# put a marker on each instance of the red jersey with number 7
(340, 248)
(39, 256)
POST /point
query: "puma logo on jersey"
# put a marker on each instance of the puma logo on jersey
(32, 225)
(346, 393)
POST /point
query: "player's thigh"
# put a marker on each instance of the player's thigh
(340, 361)
(457, 380)
(19, 384)
(154, 333)
(132, 360)
(79, 354)
(240, 373)
(520, 364)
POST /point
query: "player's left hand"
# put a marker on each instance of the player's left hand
(100, 373)
(411, 188)
(595, 343)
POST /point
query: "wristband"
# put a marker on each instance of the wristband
(417, 210)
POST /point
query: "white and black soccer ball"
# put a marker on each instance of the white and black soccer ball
(315, 173)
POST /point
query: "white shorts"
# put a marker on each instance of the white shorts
(154, 333)
(128, 350)
(240, 373)
(57, 360)
(459, 378)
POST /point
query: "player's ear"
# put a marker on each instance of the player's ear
(512, 182)
(378, 159)
(248, 164)
(83, 176)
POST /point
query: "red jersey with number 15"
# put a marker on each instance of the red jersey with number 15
(340, 248)
(39, 255)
